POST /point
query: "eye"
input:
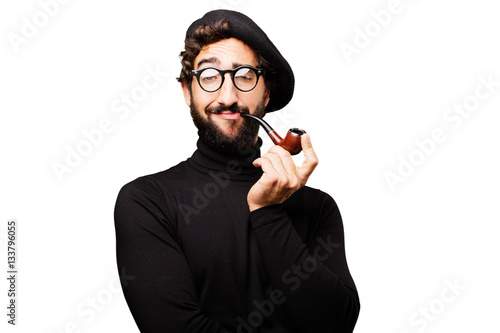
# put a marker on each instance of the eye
(245, 74)
(209, 75)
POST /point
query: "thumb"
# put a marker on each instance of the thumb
(310, 158)
(306, 143)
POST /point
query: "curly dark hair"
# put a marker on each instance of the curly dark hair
(209, 34)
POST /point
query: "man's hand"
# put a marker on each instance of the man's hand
(281, 176)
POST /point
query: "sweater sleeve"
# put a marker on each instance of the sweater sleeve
(160, 291)
(319, 293)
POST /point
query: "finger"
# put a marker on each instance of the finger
(292, 180)
(310, 159)
(287, 171)
(257, 162)
(276, 173)
(269, 172)
(286, 159)
(277, 164)
(266, 164)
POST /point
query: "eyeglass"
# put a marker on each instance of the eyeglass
(244, 78)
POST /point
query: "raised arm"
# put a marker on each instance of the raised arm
(310, 270)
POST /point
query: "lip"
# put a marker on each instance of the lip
(227, 115)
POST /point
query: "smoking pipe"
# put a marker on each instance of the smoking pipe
(291, 142)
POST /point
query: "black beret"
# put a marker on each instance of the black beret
(243, 28)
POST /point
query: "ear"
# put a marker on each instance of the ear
(186, 91)
(267, 97)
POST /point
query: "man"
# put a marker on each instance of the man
(229, 241)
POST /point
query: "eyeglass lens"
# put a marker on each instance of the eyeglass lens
(244, 79)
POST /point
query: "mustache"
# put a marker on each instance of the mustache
(222, 108)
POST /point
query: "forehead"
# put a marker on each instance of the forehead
(227, 53)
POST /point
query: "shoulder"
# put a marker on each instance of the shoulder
(154, 192)
(142, 196)
(154, 183)
(142, 205)
(144, 186)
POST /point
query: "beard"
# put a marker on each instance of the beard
(244, 137)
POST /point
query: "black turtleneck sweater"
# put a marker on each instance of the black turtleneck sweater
(198, 261)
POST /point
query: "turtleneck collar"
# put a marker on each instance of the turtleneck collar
(237, 165)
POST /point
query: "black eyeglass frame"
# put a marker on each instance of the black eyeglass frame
(258, 72)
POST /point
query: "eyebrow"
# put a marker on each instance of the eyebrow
(214, 60)
(236, 65)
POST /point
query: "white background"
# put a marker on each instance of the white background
(364, 112)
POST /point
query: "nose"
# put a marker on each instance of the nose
(228, 92)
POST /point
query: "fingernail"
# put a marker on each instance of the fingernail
(307, 138)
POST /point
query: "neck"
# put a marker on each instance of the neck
(237, 165)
